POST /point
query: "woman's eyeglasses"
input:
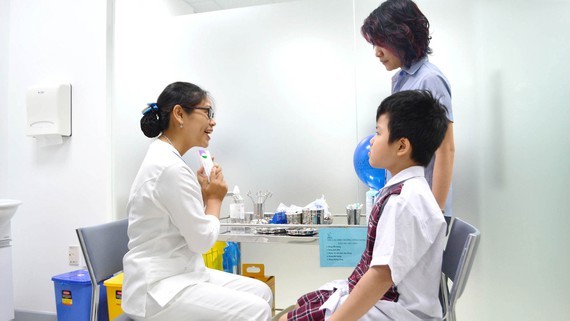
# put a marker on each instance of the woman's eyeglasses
(209, 109)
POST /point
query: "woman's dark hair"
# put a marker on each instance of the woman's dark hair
(401, 26)
(185, 94)
(417, 116)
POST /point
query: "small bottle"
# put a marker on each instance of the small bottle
(370, 196)
(237, 211)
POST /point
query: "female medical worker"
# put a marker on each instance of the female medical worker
(399, 32)
(174, 218)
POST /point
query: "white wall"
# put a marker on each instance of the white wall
(522, 78)
(66, 186)
(283, 84)
(4, 60)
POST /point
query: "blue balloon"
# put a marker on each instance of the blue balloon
(375, 178)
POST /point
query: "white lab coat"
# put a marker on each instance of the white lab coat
(168, 232)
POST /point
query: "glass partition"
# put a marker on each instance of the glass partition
(283, 84)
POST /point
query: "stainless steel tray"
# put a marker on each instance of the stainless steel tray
(302, 231)
(270, 230)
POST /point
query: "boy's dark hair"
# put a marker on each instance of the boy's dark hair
(417, 116)
(401, 26)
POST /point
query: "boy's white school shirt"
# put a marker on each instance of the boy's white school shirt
(410, 238)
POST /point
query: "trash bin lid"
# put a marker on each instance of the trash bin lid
(116, 280)
(77, 276)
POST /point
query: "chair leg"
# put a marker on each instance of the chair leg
(278, 315)
(451, 316)
(94, 302)
(444, 297)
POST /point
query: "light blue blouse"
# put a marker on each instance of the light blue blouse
(425, 75)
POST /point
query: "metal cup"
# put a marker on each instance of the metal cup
(295, 218)
(313, 216)
(306, 216)
(318, 216)
(258, 210)
(353, 214)
(248, 216)
(259, 203)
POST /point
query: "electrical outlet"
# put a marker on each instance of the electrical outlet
(73, 254)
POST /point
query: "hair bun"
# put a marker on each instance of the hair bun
(151, 125)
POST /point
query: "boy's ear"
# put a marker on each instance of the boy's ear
(404, 147)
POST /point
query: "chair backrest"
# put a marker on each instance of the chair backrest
(458, 257)
(103, 247)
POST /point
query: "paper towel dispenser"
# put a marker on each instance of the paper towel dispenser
(49, 110)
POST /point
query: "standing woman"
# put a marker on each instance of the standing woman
(399, 32)
(174, 218)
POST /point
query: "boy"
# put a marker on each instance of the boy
(398, 274)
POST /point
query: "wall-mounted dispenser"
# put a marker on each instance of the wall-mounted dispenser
(49, 113)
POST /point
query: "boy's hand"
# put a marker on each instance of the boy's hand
(371, 287)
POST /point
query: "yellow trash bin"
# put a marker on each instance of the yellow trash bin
(114, 287)
(214, 257)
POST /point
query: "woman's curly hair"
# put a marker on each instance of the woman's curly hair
(400, 26)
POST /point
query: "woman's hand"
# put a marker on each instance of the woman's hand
(214, 190)
(216, 187)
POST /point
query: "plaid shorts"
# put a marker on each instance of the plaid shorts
(309, 305)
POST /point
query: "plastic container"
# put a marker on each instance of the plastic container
(214, 257)
(370, 197)
(237, 211)
(279, 218)
(231, 258)
(114, 287)
(73, 297)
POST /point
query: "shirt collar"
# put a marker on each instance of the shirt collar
(414, 171)
(168, 146)
(415, 66)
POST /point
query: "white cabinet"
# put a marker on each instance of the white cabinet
(6, 284)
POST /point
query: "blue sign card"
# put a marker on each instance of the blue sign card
(341, 246)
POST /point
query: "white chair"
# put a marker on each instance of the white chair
(458, 258)
(103, 247)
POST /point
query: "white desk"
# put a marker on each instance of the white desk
(293, 260)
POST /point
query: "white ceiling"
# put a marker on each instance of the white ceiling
(213, 5)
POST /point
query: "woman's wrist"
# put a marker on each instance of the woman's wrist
(213, 207)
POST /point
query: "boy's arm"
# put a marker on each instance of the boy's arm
(371, 287)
